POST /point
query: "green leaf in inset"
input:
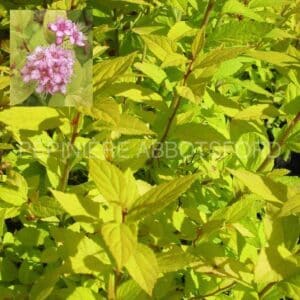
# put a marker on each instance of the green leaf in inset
(57, 100)
(19, 91)
(20, 18)
(76, 79)
(4, 82)
(38, 38)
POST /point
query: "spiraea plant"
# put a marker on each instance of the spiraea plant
(181, 180)
(50, 57)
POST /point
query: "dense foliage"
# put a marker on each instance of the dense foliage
(173, 184)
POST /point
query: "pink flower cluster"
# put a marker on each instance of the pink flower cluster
(51, 67)
(66, 28)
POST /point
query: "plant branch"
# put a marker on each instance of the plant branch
(87, 19)
(207, 13)
(72, 4)
(266, 289)
(177, 99)
(174, 106)
(45, 5)
(277, 146)
(117, 46)
(220, 290)
(26, 46)
(111, 290)
(142, 60)
(67, 166)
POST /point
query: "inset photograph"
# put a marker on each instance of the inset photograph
(51, 58)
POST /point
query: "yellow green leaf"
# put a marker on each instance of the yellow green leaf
(159, 45)
(112, 184)
(159, 197)
(30, 118)
(143, 268)
(263, 186)
(120, 240)
(198, 42)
